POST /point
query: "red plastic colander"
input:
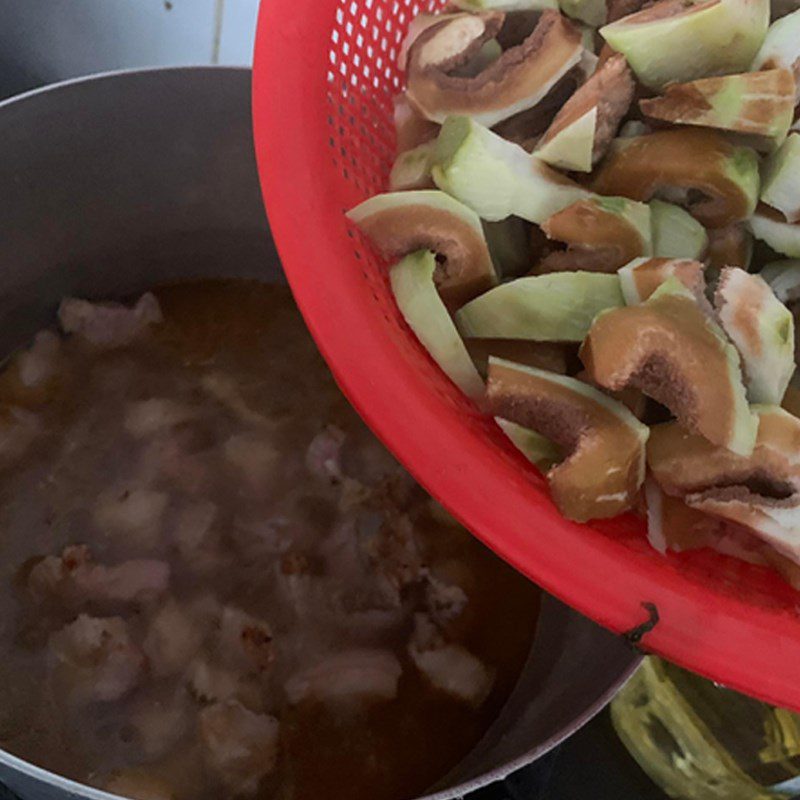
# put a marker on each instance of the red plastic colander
(325, 76)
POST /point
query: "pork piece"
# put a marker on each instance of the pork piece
(136, 513)
(324, 454)
(138, 784)
(255, 458)
(225, 391)
(178, 457)
(95, 659)
(173, 638)
(148, 417)
(245, 641)
(352, 675)
(239, 747)
(109, 325)
(18, 429)
(209, 682)
(449, 668)
(394, 551)
(445, 601)
(160, 723)
(74, 579)
(194, 536)
(37, 364)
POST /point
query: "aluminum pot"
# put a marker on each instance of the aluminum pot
(116, 182)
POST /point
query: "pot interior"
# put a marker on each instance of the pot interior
(114, 184)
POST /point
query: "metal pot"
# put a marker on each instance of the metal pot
(113, 183)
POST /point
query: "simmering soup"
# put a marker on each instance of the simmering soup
(216, 582)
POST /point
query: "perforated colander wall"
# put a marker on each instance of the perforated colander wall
(362, 81)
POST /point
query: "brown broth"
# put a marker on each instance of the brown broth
(251, 332)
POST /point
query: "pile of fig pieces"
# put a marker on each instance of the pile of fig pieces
(594, 208)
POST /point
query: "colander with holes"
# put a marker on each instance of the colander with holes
(325, 75)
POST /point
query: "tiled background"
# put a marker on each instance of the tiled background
(43, 41)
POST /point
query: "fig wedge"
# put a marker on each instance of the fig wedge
(676, 233)
(496, 178)
(547, 308)
(551, 356)
(601, 234)
(760, 492)
(674, 526)
(414, 290)
(603, 442)
(399, 223)
(674, 41)
(780, 179)
(676, 164)
(412, 169)
(757, 104)
(761, 328)
(541, 452)
(504, 5)
(518, 80)
(643, 276)
(731, 246)
(509, 246)
(770, 227)
(584, 128)
(783, 278)
(781, 48)
(591, 12)
(673, 352)
(411, 128)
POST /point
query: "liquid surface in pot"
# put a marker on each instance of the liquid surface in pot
(216, 582)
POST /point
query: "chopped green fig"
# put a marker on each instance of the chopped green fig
(676, 354)
(584, 128)
(411, 128)
(426, 315)
(769, 226)
(674, 41)
(602, 234)
(671, 163)
(780, 179)
(399, 223)
(761, 328)
(731, 246)
(541, 452)
(674, 526)
(547, 308)
(412, 169)
(551, 356)
(505, 5)
(783, 278)
(509, 245)
(676, 233)
(518, 80)
(571, 146)
(603, 442)
(418, 25)
(643, 276)
(489, 53)
(592, 12)
(497, 178)
(781, 47)
(791, 400)
(757, 104)
(760, 491)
